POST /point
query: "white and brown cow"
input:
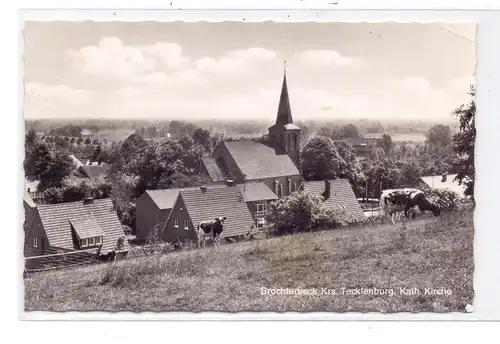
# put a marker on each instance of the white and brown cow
(210, 230)
(407, 200)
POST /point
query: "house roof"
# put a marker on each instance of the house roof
(256, 191)
(93, 171)
(450, 183)
(57, 218)
(341, 194)
(256, 160)
(31, 184)
(213, 170)
(165, 198)
(86, 227)
(29, 201)
(216, 202)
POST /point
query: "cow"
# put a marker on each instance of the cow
(210, 229)
(408, 200)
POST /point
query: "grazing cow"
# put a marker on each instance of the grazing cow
(406, 200)
(210, 229)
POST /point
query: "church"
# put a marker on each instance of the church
(274, 162)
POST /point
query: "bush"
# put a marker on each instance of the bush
(446, 200)
(302, 212)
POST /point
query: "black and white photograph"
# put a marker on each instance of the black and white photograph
(248, 166)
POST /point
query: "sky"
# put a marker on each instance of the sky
(234, 70)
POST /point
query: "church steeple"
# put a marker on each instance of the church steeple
(284, 110)
(284, 134)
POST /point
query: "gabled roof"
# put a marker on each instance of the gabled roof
(165, 198)
(216, 202)
(256, 160)
(28, 200)
(92, 171)
(341, 194)
(212, 168)
(256, 191)
(56, 220)
(436, 182)
(31, 184)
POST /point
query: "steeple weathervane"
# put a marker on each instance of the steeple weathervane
(284, 67)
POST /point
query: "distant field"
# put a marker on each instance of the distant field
(432, 253)
(408, 137)
(402, 137)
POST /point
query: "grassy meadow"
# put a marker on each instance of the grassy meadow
(431, 253)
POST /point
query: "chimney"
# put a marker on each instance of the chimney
(230, 182)
(326, 193)
(443, 180)
(203, 188)
(88, 200)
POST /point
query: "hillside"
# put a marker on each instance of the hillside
(429, 254)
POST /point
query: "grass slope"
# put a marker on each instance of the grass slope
(431, 253)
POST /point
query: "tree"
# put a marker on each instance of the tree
(410, 171)
(464, 144)
(88, 141)
(37, 160)
(352, 168)
(386, 144)
(377, 153)
(439, 138)
(202, 137)
(320, 159)
(97, 153)
(350, 131)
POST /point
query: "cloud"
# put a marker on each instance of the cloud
(169, 54)
(235, 62)
(326, 58)
(177, 79)
(35, 91)
(43, 100)
(111, 58)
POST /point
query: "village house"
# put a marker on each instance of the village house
(153, 208)
(29, 209)
(193, 206)
(337, 195)
(274, 163)
(440, 182)
(257, 196)
(73, 226)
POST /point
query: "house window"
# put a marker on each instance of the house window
(84, 243)
(186, 224)
(91, 241)
(176, 222)
(294, 186)
(260, 209)
(35, 242)
(277, 188)
(290, 186)
(98, 240)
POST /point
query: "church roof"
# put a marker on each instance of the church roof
(284, 110)
(256, 160)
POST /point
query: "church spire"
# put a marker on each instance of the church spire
(284, 110)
